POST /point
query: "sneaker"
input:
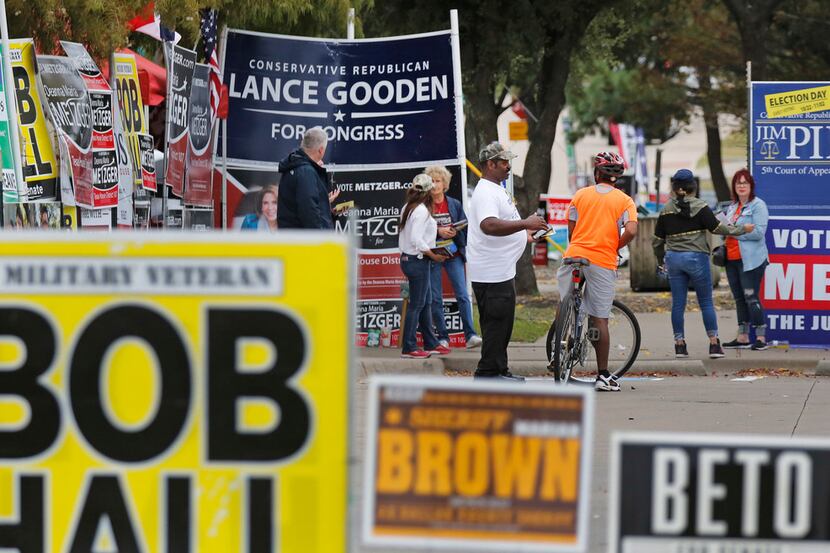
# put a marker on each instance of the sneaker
(445, 343)
(735, 344)
(474, 341)
(680, 350)
(758, 345)
(716, 351)
(416, 354)
(607, 384)
(509, 376)
(440, 350)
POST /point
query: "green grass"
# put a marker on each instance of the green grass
(531, 323)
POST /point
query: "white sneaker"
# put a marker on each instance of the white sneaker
(605, 384)
(474, 341)
(444, 343)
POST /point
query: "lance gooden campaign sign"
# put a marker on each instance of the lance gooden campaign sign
(379, 101)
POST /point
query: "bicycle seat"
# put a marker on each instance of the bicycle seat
(576, 261)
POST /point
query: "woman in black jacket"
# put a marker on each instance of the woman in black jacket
(680, 242)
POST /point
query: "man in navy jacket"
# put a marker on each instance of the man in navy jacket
(304, 189)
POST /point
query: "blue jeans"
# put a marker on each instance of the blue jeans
(418, 318)
(455, 271)
(746, 288)
(690, 268)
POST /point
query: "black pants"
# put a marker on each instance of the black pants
(496, 309)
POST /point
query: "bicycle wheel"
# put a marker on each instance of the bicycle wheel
(624, 333)
(560, 338)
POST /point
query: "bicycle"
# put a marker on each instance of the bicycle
(568, 340)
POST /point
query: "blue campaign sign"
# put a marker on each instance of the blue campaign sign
(790, 154)
(796, 289)
(380, 101)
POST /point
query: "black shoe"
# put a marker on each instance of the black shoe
(680, 350)
(503, 376)
(735, 344)
(716, 351)
(758, 345)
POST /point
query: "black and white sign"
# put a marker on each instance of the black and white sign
(715, 493)
(384, 101)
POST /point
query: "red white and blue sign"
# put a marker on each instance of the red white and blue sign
(790, 160)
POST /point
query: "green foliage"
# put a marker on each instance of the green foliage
(636, 96)
(672, 59)
(101, 24)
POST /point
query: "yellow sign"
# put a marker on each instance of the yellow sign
(794, 102)
(474, 465)
(128, 90)
(518, 130)
(181, 393)
(40, 167)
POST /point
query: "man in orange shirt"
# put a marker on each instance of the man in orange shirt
(596, 216)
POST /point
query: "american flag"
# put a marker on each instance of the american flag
(209, 19)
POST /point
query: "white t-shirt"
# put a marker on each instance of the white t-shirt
(419, 233)
(492, 258)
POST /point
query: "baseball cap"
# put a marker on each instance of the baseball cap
(422, 183)
(494, 150)
(683, 175)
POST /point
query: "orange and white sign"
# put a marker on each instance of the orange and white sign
(476, 465)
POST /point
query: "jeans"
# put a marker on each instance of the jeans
(685, 268)
(496, 309)
(455, 271)
(746, 286)
(418, 318)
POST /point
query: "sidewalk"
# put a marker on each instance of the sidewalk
(656, 354)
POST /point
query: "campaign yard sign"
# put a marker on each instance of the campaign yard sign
(198, 190)
(389, 106)
(68, 103)
(790, 160)
(40, 165)
(378, 196)
(476, 466)
(383, 101)
(167, 393)
(715, 493)
(181, 63)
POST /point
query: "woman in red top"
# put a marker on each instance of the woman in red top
(746, 260)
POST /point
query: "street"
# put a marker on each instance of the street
(792, 406)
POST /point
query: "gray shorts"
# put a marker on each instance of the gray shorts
(598, 292)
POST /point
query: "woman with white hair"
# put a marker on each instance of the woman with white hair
(416, 240)
(447, 211)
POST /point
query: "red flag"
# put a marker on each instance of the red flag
(519, 109)
(222, 112)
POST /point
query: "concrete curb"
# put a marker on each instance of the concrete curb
(681, 367)
(401, 366)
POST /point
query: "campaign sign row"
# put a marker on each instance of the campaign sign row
(178, 393)
(477, 466)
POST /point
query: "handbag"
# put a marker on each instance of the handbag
(719, 256)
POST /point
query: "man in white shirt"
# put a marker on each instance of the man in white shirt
(496, 238)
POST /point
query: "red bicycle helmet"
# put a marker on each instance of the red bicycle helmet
(610, 164)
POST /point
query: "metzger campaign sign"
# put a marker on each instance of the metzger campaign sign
(380, 101)
(178, 393)
(717, 493)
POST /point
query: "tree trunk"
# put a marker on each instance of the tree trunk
(753, 19)
(713, 151)
(713, 142)
(482, 113)
(554, 76)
